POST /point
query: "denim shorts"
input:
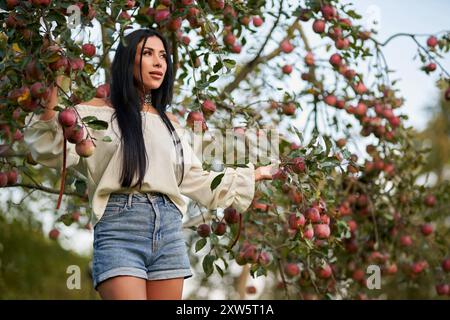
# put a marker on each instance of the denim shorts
(140, 235)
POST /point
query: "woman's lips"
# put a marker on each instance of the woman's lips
(155, 76)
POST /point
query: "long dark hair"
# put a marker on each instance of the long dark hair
(127, 102)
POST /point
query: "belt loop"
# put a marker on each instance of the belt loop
(164, 198)
(130, 197)
(149, 197)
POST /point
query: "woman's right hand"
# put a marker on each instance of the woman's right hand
(265, 172)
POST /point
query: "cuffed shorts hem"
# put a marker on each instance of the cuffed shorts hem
(121, 271)
(169, 274)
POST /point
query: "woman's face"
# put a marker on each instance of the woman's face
(153, 61)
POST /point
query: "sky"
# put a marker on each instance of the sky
(413, 16)
(423, 17)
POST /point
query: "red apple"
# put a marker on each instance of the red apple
(3, 179)
(324, 271)
(216, 4)
(74, 134)
(102, 91)
(342, 43)
(309, 59)
(245, 20)
(447, 94)
(67, 117)
(430, 200)
(287, 69)
(313, 214)
(286, 46)
(432, 41)
(208, 107)
(291, 269)
(251, 254)
(11, 4)
(88, 49)
(12, 177)
(430, 67)
(85, 148)
(442, 289)
(257, 21)
(264, 258)
(335, 59)
(330, 100)
(231, 216)
(37, 90)
(220, 229)
(186, 40)
(236, 48)
(195, 117)
(328, 12)
(204, 230)
(61, 63)
(229, 39)
(175, 24)
(161, 15)
(308, 233)
(319, 26)
(54, 234)
(298, 165)
(360, 88)
(322, 231)
(289, 108)
(426, 229)
(295, 196)
(406, 241)
(295, 222)
(446, 265)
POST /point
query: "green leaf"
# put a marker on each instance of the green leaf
(219, 269)
(216, 181)
(80, 186)
(229, 63)
(107, 139)
(299, 134)
(213, 78)
(214, 239)
(98, 125)
(89, 119)
(200, 244)
(217, 66)
(327, 144)
(353, 14)
(207, 264)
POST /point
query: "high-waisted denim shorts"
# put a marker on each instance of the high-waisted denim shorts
(140, 235)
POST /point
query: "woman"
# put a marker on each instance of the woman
(139, 250)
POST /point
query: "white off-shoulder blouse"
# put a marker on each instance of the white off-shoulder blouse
(102, 170)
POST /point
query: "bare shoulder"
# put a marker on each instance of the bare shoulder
(172, 117)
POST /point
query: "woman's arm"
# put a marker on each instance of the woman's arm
(265, 172)
(52, 102)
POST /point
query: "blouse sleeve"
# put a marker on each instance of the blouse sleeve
(45, 139)
(236, 189)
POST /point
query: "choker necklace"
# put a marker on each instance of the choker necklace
(148, 98)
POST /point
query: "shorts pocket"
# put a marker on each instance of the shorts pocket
(115, 208)
(173, 206)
